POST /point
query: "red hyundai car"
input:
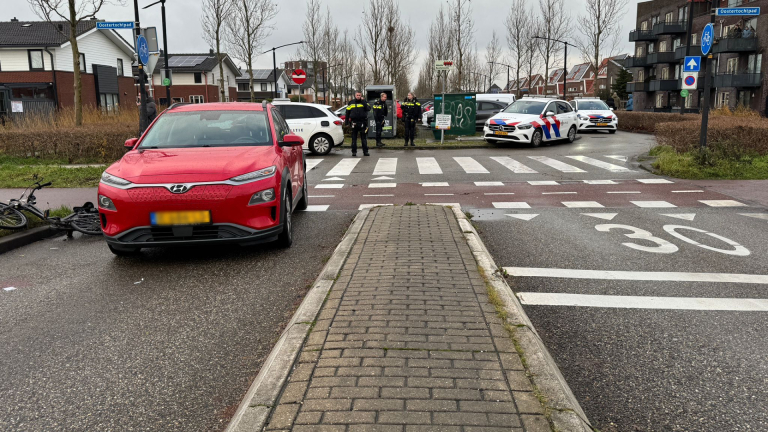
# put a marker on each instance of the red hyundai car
(205, 173)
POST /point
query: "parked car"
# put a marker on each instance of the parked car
(205, 173)
(594, 114)
(320, 128)
(486, 110)
(534, 121)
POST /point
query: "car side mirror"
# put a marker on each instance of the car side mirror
(130, 143)
(549, 114)
(610, 109)
(291, 140)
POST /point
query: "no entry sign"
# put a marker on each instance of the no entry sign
(299, 76)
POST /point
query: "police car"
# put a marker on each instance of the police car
(317, 124)
(594, 114)
(533, 120)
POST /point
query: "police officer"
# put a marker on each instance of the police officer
(411, 114)
(357, 116)
(380, 112)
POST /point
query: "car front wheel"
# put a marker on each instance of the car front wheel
(572, 134)
(320, 145)
(536, 138)
(285, 239)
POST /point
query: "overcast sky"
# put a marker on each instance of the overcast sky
(184, 34)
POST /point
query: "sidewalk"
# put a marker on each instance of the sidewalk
(406, 337)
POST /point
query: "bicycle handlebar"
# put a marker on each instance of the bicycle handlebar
(46, 185)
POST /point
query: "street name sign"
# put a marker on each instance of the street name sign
(142, 48)
(692, 64)
(443, 121)
(736, 11)
(117, 25)
(707, 37)
(689, 80)
(444, 65)
(299, 76)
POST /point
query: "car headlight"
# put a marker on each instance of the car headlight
(106, 203)
(583, 117)
(113, 180)
(525, 126)
(264, 196)
(255, 175)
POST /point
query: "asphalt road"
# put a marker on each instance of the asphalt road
(168, 341)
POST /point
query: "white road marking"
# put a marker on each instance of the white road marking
(344, 167)
(428, 165)
(559, 193)
(322, 196)
(378, 195)
(513, 165)
(763, 216)
(438, 194)
(723, 203)
(317, 208)
(511, 205)
(381, 185)
(385, 166)
(600, 164)
(738, 250)
(654, 181)
(624, 192)
(617, 157)
(489, 183)
(457, 205)
(525, 217)
(311, 163)
(683, 216)
(383, 178)
(556, 164)
(499, 193)
(470, 165)
(369, 206)
(637, 276)
(434, 184)
(333, 179)
(543, 183)
(688, 191)
(600, 182)
(605, 216)
(329, 186)
(642, 302)
(582, 204)
(653, 204)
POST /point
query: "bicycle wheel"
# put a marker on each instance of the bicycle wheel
(11, 219)
(86, 223)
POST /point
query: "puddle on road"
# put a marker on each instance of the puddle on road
(490, 214)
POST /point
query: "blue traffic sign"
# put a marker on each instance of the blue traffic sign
(142, 47)
(116, 25)
(707, 37)
(692, 64)
(745, 11)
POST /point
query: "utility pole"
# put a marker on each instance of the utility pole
(165, 51)
(689, 13)
(142, 89)
(707, 79)
(509, 88)
(274, 62)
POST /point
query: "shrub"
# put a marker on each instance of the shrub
(728, 137)
(637, 121)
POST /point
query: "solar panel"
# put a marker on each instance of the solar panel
(185, 61)
(261, 74)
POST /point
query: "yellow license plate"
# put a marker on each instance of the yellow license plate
(180, 217)
(602, 124)
(500, 133)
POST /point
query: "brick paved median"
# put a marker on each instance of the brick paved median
(407, 340)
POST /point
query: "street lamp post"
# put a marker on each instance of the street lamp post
(165, 49)
(509, 89)
(565, 64)
(142, 90)
(274, 63)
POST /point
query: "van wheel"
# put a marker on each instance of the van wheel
(536, 138)
(320, 145)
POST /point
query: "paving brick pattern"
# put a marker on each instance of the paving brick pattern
(407, 340)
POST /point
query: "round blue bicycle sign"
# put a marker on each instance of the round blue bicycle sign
(707, 37)
(142, 47)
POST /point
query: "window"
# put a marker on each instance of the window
(640, 76)
(651, 48)
(744, 98)
(602, 87)
(639, 51)
(754, 63)
(663, 46)
(243, 87)
(694, 39)
(82, 63)
(209, 129)
(177, 99)
(723, 99)
(35, 60)
(281, 127)
(682, 13)
(263, 86)
(659, 100)
(665, 73)
(677, 71)
(676, 44)
(198, 78)
(196, 99)
(654, 20)
(689, 101)
(732, 65)
(119, 67)
(644, 25)
(669, 17)
(563, 108)
(292, 112)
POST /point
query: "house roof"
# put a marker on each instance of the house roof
(556, 75)
(261, 75)
(39, 33)
(207, 64)
(577, 72)
(590, 87)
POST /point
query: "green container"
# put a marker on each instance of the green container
(463, 109)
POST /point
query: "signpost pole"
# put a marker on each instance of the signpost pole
(442, 107)
(707, 88)
(142, 90)
(689, 13)
(165, 49)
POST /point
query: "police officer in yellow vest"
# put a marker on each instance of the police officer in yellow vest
(357, 116)
(411, 114)
(380, 112)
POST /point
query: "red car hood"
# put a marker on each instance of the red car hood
(192, 164)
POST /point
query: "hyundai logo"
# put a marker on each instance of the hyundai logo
(178, 188)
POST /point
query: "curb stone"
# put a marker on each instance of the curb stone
(565, 412)
(26, 237)
(254, 409)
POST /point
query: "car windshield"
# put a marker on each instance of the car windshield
(525, 107)
(595, 105)
(208, 129)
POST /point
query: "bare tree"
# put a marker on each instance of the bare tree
(531, 54)
(440, 47)
(314, 27)
(215, 15)
(518, 28)
(371, 37)
(555, 22)
(493, 54)
(463, 35)
(601, 29)
(330, 52)
(246, 32)
(399, 48)
(347, 57)
(72, 13)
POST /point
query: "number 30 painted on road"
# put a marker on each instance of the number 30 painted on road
(666, 247)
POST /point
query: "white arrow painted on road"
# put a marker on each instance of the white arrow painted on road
(606, 216)
(683, 216)
(692, 64)
(763, 216)
(383, 178)
(525, 217)
(333, 179)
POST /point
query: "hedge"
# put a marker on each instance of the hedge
(728, 136)
(635, 121)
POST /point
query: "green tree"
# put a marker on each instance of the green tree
(620, 86)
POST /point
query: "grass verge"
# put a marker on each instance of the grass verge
(21, 176)
(34, 222)
(697, 165)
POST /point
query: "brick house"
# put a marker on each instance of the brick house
(554, 84)
(263, 84)
(608, 72)
(660, 46)
(36, 67)
(580, 80)
(194, 78)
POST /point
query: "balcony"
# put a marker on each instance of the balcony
(668, 28)
(663, 85)
(642, 35)
(680, 51)
(631, 62)
(739, 80)
(662, 57)
(735, 45)
(633, 87)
